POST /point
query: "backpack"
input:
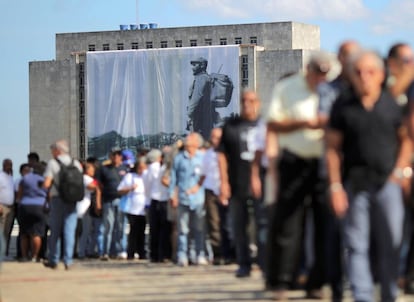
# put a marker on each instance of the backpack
(71, 188)
(221, 90)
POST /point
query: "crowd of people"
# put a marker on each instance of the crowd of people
(315, 191)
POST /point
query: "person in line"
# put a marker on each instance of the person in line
(160, 227)
(132, 188)
(31, 197)
(236, 153)
(368, 153)
(294, 117)
(186, 177)
(63, 217)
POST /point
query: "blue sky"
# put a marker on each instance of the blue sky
(28, 28)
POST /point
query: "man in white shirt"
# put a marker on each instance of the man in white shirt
(6, 198)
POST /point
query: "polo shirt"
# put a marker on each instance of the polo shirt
(370, 137)
(293, 100)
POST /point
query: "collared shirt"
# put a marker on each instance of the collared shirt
(292, 100)
(211, 171)
(53, 169)
(185, 174)
(6, 189)
(156, 190)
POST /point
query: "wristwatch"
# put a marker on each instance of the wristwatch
(401, 173)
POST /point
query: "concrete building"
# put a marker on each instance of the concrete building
(57, 87)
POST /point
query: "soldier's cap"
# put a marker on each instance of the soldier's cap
(320, 62)
(199, 60)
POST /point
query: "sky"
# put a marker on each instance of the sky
(28, 28)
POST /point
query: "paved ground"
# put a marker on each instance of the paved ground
(130, 281)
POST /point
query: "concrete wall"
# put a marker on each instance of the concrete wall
(278, 35)
(50, 99)
(271, 66)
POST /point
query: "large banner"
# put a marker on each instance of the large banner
(149, 98)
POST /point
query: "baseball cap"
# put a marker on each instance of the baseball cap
(116, 150)
(320, 62)
(128, 157)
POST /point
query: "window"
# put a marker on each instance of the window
(120, 46)
(91, 47)
(193, 42)
(178, 43)
(253, 40)
(149, 44)
(164, 44)
(223, 41)
(208, 42)
(134, 45)
(238, 40)
(245, 70)
(105, 46)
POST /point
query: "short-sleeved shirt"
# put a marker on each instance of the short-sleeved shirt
(238, 143)
(110, 177)
(370, 137)
(33, 193)
(293, 100)
(138, 199)
(53, 169)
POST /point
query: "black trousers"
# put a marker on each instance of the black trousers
(160, 231)
(136, 237)
(299, 179)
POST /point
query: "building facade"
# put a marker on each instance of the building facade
(268, 51)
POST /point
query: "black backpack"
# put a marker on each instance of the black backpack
(71, 188)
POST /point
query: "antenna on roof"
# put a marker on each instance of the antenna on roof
(137, 11)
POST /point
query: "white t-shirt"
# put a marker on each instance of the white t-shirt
(155, 189)
(137, 199)
(83, 205)
(6, 189)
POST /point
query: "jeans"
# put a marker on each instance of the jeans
(190, 220)
(380, 213)
(86, 222)
(239, 212)
(63, 218)
(112, 237)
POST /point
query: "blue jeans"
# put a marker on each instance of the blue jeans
(379, 212)
(63, 218)
(112, 237)
(86, 222)
(190, 221)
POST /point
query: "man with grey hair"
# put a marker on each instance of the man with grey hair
(63, 217)
(186, 177)
(294, 117)
(368, 157)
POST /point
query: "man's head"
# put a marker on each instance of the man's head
(32, 158)
(154, 155)
(192, 142)
(59, 147)
(317, 69)
(116, 156)
(8, 166)
(199, 65)
(400, 59)
(367, 73)
(250, 105)
(345, 52)
(215, 137)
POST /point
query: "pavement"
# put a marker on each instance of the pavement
(130, 281)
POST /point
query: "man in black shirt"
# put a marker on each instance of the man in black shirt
(112, 229)
(367, 141)
(235, 155)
